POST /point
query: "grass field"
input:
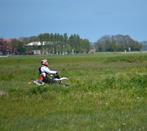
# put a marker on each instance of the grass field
(107, 91)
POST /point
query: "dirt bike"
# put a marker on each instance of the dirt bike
(52, 79)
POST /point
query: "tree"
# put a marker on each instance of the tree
(19, 46)
(117, 43)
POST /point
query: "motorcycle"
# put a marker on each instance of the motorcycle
(52, 79)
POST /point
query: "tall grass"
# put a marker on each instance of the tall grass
(106, 91)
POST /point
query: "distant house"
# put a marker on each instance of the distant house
(38, 48)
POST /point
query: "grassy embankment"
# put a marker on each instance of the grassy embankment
(105, 92)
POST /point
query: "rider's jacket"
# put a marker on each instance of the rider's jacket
(45, 70)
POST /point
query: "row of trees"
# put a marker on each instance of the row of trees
(51, 43)
(64, 44)
(56, 43)
(12, 46)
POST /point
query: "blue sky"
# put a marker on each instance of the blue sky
(90, 19)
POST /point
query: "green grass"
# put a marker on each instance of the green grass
(107, 91)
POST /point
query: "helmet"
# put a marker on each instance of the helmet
(44, 62)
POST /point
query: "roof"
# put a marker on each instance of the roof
(35, 43)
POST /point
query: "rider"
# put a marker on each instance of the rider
(44, 71)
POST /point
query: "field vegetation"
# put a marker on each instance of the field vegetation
(106, 91)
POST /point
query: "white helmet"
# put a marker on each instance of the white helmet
(44, 62)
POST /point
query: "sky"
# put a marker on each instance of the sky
(91, 19)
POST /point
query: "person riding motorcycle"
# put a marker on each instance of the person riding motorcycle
(44, 71)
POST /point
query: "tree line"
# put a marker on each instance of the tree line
(51, 43)
(64, 44)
